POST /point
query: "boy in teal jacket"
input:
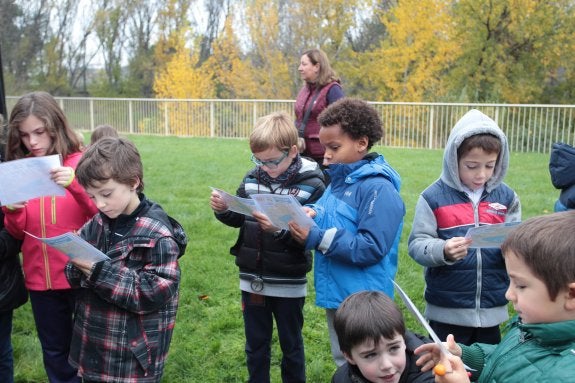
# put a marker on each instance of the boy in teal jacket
(540, 344)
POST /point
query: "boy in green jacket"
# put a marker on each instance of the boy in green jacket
(540, 344)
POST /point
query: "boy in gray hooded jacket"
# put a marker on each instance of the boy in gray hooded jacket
(465, 287)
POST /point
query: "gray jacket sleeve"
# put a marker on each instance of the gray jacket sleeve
(514, 211)
(424, 246)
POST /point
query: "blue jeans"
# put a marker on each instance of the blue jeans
(6, 358)
(53, 313)
(259, 312)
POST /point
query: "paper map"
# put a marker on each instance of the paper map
(279, 208)
(73, 246)
(490, 236)
(28, 178)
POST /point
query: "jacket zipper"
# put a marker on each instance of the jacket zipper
(479, 262)
(508, 354)
(44, 247)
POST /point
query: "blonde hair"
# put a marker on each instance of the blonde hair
(275, 130)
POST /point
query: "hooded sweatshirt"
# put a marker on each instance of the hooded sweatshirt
(469, 292)
(562, 171)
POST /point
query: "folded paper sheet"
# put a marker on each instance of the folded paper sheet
(73, 246)
(490, 236)
(279, 208)
(28, 178)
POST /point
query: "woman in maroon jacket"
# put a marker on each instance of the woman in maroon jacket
(321, 88)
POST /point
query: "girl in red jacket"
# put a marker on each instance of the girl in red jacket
(38, 127)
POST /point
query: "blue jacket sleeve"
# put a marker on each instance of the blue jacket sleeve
(379, 217)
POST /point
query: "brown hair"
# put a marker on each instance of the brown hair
(44, 107)
(326, 74)
(488, 142)
(102, 131)
(547, 246)
(111, 158)
(367, 315)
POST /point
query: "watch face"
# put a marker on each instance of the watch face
(257, 284)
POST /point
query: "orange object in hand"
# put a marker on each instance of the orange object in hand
(439, 369)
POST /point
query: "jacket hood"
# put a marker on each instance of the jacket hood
(472, 123)
(178, 233)
(372, 164)
(562, 165)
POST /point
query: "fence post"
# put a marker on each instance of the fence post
(166, 124)
(254, 113)
(212, 122)
(91, 114)
(130, 117)
(430, 140)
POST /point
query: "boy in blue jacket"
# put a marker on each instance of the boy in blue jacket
(540, 344)
(359, 217)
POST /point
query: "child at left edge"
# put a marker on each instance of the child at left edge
(126, 306)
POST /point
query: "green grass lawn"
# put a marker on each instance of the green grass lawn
(208, 344)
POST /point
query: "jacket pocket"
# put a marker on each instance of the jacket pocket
(139, 343)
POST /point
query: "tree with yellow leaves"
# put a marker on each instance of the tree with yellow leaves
(511, 48)
(419, 49)
(233, 75)
(180, 79)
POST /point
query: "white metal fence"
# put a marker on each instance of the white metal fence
(529, 128)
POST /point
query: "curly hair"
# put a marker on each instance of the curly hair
(355, 117)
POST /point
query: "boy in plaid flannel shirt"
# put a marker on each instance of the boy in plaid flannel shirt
(126, 306)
